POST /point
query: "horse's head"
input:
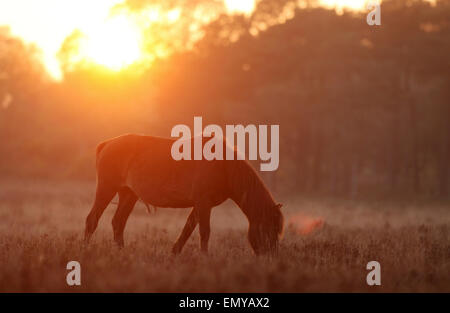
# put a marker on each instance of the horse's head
(265, 232)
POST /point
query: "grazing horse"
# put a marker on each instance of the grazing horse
(141, 167)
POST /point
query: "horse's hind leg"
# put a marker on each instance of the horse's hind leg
(189, 227)
(204, 227)
(103, 196)
(127, 200)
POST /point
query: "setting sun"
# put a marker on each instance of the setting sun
(240, 6)
(115, 43)
(114, 40)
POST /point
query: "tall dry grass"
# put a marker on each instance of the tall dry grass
(326, 246)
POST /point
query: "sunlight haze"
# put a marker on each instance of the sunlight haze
(112, 41)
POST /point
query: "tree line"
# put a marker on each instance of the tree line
(363, 110)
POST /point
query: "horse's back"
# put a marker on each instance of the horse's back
(145, 165)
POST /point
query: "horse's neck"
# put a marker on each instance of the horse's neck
(249, 191)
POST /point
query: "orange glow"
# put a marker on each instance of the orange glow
(303, 224)
(349, 4)
(240, 6)
(110, 38)
(114, 43)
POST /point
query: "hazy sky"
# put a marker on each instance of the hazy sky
(48, 22)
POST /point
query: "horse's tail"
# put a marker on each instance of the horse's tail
(279, 221)
(149, 206)
(99, 149)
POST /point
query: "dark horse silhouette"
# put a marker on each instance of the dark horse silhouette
(141, 167)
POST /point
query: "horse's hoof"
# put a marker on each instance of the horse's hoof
(176, 250)
(86, 240)
(120, 244)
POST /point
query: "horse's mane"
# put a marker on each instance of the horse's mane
(253, 196)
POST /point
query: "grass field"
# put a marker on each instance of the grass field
(326, 246)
